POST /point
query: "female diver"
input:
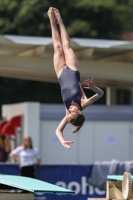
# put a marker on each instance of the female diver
(66, 69)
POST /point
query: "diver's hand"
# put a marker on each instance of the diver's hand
(89, 84)
(66, 144)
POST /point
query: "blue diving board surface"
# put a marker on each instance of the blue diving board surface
(32, 185)
(116, 177)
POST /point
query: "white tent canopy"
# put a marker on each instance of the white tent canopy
(109, 62)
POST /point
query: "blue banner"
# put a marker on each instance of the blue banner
(72, 177)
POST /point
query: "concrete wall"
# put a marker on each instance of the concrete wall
(96, 141)
(30, 112)
(107, 133)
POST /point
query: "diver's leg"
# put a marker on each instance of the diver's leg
(59, 58)
(70, 57)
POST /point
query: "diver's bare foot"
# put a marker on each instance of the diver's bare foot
(57, 16)
(51, 15)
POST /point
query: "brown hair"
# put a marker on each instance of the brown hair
(29, 138)
(78, 122)
(2, 141)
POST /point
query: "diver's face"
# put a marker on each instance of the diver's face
(72, 112)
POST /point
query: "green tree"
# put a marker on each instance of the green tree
(86, 18)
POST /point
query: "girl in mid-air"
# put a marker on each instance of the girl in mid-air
(66, 68)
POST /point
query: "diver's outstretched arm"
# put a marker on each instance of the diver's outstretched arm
(99, 93)
(59, 133)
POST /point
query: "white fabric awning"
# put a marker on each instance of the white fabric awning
(95, 43)
(109, 62)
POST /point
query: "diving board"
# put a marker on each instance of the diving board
(116, 177)
(29, 186)
(119, 187)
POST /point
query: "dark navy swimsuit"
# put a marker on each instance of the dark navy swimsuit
(70, 89)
